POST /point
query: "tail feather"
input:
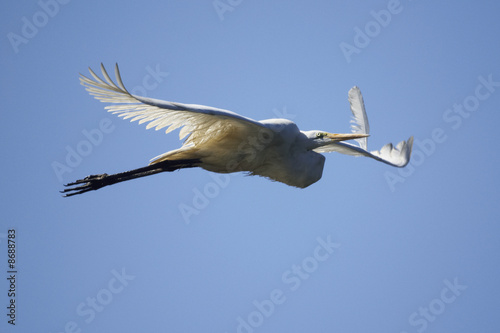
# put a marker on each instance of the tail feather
(183, 153)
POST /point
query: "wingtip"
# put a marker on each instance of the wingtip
(410, 146)
(410, 142)
(354, 88)
(407, 150)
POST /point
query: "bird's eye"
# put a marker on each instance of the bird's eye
(320, 135)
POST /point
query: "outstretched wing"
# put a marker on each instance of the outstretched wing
(198, 121)
(398, 156)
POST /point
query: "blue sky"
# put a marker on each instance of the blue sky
(367, 248)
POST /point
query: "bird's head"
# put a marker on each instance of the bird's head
(321, 138)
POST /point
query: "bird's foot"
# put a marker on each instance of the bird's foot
(89, 183)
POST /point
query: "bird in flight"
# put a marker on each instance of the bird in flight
(223, 141)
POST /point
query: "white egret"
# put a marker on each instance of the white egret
(223, 141)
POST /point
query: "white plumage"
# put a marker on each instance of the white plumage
(223, 141)
(398, 156)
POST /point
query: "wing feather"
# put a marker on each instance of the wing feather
(359, 121)
(198, 122)
(398, 156)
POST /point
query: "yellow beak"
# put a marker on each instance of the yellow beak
(342, 137)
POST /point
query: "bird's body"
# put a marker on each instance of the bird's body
(224, 142)
(277, 150)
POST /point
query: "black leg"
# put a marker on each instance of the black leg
(95, 182)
